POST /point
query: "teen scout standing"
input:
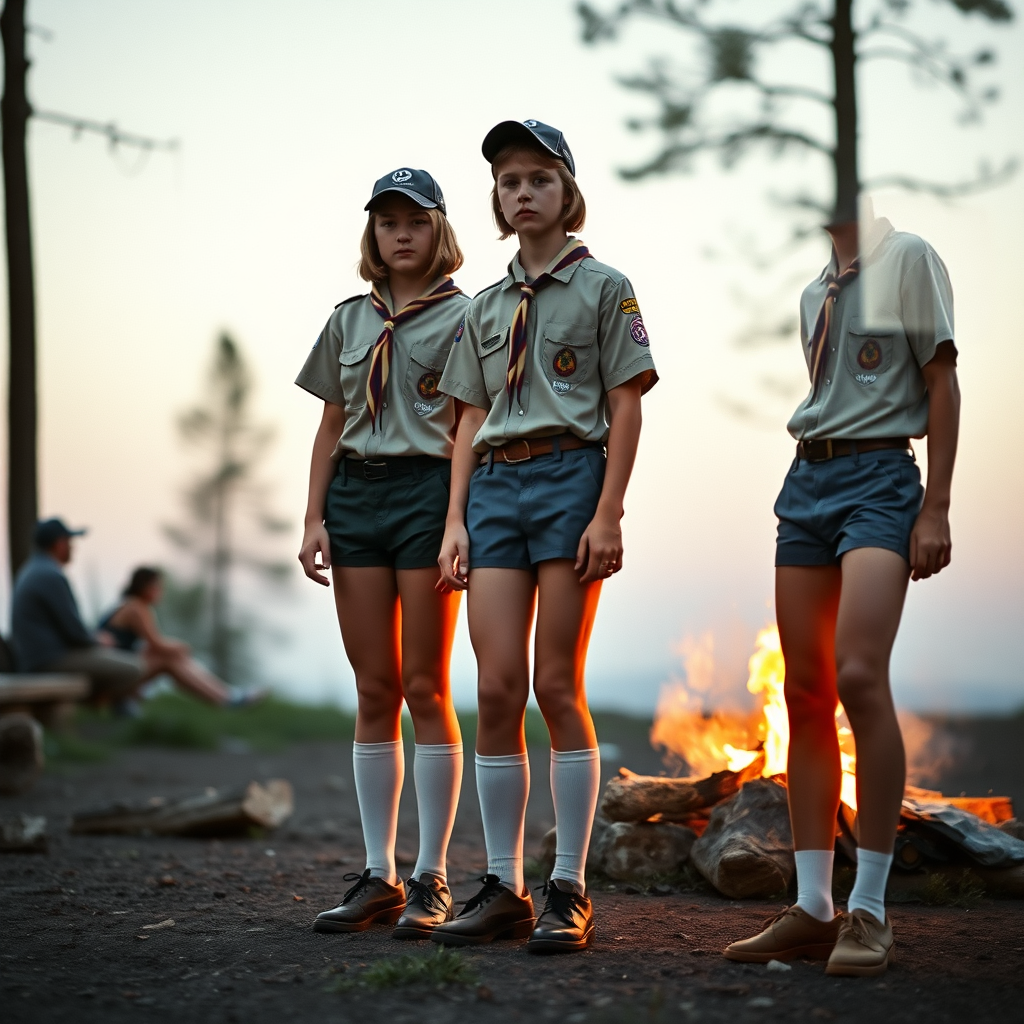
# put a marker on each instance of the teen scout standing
(548, 368)
(878, 334)
(378, 494)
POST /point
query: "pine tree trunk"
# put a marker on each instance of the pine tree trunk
(22, 483)
(844, 59)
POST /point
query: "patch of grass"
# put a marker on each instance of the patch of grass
(963, 890)
(67, 748)
(443, 968)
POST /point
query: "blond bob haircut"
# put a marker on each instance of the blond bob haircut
(575, 215)
(446, 258)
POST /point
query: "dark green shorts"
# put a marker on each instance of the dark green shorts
(396, 519)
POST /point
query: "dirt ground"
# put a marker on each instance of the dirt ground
(73, 946)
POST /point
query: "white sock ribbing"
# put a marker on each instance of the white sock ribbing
(814, 883)
(503, 785)
(869, 886)
(437, 770)
(575, 785)
(379, 770)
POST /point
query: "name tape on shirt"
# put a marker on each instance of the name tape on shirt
(630, 307)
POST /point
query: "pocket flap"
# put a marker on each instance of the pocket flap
(874, 327)
(560, 332)
(431, 355)
(351, 356)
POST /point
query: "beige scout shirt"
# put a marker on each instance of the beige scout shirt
(417, 419)
(886, 325)
(585, 336)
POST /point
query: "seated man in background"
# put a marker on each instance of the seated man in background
(47, 632)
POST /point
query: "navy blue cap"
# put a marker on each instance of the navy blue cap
(417, 185)
(49, 531)
(531, 132)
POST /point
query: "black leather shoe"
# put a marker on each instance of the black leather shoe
(370, 901)
(428, 904)
(566, 923)
(495, 912)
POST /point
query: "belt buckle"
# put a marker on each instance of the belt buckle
(375, 470)
(526, 445)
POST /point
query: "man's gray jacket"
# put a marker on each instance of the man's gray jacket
(45, 623)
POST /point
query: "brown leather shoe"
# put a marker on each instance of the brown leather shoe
(495, 912)
(789, 934)
(865, 946)
(370, 901)
(428, 904)
(565, 925)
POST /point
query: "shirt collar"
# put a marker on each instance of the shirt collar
(878, 233)
(385, 291)
(516, 274)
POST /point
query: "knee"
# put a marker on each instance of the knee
(863, 688)
(424, 694)
(499, 701)
(378, 698)
(557, 697)
(808, 701)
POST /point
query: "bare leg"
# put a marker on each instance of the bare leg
(501, 604)
(370, 619)
(428, 629)
(565, 620)
(806, 603)
(188, 674)
(874, 588)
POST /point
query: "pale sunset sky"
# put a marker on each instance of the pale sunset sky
(287, 112)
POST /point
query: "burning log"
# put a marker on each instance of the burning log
(747, 847)
(986, 845)
(643, 851)
(261, 807)
(633, 797)
(993, 809)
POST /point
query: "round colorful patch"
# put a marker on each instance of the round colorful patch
(870, 354)
(565, 362)
(639, 332)
(427, 384)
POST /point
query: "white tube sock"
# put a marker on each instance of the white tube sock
(869, 886)
(379, 770)
(575, 785)
(503, 785)
(814, 883)
(437, 770)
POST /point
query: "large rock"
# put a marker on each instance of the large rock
(546, 857)
(643, 851)
(747, 848)
(21, 752)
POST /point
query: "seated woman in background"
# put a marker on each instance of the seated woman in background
(133, 627)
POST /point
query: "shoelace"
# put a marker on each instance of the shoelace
(492, 888)
(362, 882)
(778, 917)
(425, 895)
(858, 926)
(559, 902)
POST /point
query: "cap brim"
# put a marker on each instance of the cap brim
(428, 204)
(509, 132)
(78, 533)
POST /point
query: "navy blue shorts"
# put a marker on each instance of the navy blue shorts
(868, 500)
(529, 512)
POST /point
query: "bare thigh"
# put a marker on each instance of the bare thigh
(500, 608)
(370, 620)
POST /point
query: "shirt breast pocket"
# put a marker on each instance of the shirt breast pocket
(869, 350)
(568, 353)
(355, 369)
(426, 365)
(493, 354)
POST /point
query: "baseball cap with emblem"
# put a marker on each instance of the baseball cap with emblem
(417, 185)
(49, 531)
(531, 132)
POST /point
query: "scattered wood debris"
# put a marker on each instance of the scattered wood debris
(24, 834)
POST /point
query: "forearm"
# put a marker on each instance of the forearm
(322, 467)
(464, 461)
(623, 438)
(943, 433)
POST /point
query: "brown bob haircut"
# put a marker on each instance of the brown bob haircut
(446, 258)
(575, 215)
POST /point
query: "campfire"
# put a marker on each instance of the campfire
(728, 816)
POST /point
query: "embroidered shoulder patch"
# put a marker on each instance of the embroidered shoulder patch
(630, 307)
(639, 332)
(458, 333)
(319, 338)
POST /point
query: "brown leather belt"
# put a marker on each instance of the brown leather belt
(526, 448)
(822, 451)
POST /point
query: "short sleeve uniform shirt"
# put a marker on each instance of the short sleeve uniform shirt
(886, 325)
(416, 417)
(585, 336)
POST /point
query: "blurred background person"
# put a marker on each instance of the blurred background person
(132, 627)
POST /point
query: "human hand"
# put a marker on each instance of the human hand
(930, 543)
(454, 559)
(315, 541)
(105, 639)
(600, 551)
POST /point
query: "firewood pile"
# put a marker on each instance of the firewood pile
(733, 829)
